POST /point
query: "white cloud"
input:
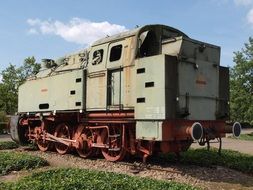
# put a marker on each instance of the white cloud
(248, 4)
(33, 22)
(250, 17)
(32, 31)
(77, 30)
(243, 2)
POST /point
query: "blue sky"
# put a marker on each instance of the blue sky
(52, 28)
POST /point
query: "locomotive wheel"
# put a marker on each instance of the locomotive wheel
(116, 152)
(42, 144)
(62, 131)
(85, 140)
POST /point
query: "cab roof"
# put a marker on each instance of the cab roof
(136, 32)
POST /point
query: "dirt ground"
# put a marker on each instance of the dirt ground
(206, 178)
(5, 137)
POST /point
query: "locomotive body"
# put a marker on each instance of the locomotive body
(149, 90)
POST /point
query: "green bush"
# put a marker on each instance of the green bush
(3, 117)
(69, 179)
(202, 157)
(2, 128)
(13, 161)
(3, 122)
(8, 145)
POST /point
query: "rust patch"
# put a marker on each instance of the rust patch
(202, 82)
(127, 86)
(44, 90)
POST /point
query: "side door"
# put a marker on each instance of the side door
(97, 78)
(115, 79)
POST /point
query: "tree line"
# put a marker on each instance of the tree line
(12, 78)
(241, 85)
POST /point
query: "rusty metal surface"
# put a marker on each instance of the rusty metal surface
(123, 114)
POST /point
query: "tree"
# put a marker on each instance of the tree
(241, 84)
(3, 117)
(30, 67)
(12, 78)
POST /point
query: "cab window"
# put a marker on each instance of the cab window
(115, 53)
(97, 57)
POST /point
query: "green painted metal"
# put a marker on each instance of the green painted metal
(60, 91)
(198, 75)
(149, 130)
(150, 88)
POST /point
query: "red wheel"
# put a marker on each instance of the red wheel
(62, 131)
(42, 143)
(116, 150)
(85, 139)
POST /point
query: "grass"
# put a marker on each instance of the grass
(8, 145)
(14, 161)
(69, 179)
(202, 157)
(246, 137)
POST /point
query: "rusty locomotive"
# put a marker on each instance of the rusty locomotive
(144, 91)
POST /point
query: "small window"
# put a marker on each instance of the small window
(115, 53)
(149, 84)
(78, 103)
(140, 70)
(140, 100)
(97, 57)
(43, 106)
(78, 80)
(72, 92)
